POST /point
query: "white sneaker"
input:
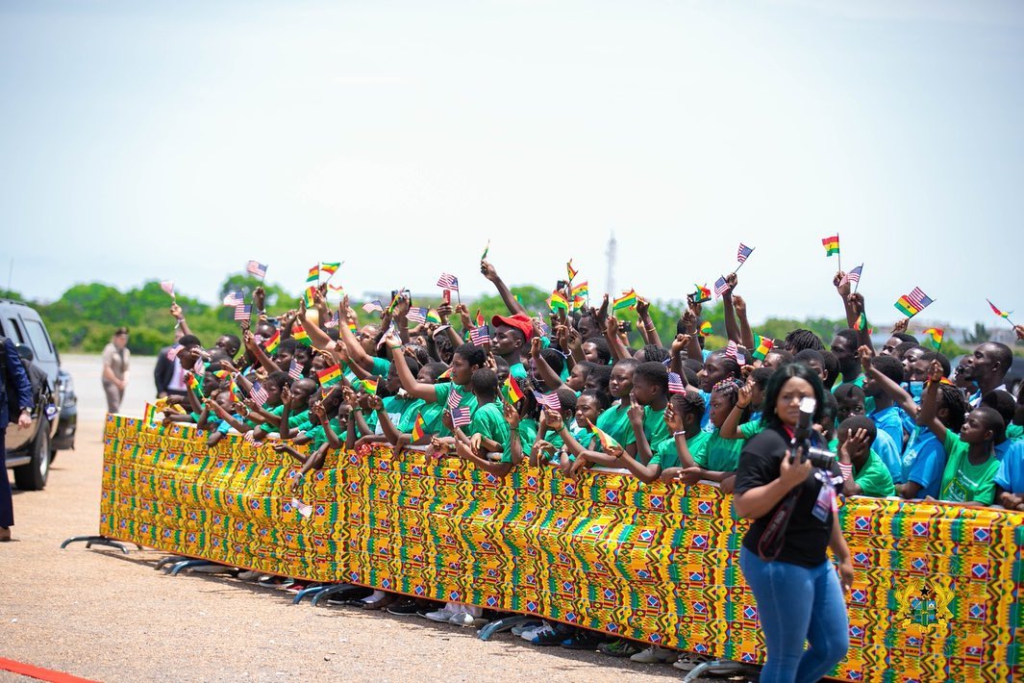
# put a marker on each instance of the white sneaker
(249, 575)
(441, 616)
(653, 655)
(462, 619)
(542, 630)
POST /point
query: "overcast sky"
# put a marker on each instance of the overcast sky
(176, 140)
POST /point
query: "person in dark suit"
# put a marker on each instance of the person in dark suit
(15, 395)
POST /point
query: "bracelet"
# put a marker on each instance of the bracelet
(681, 432)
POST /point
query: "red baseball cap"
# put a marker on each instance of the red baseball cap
(519, 321)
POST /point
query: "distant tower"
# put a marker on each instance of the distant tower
(610, 254)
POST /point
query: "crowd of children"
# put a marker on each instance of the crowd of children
(575, 391)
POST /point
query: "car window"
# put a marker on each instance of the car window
(16, 330)
(40, 342)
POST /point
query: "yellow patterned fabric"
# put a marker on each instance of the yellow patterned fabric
(936, 595)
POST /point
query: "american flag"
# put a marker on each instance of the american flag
(721, 286)
(258, 394)
(448, 281)
(548, 400)
(454, 398)
(417, 315)
(333, 322)
(675, 384)
(853, 275)
(243, 312)
(460, 417)
(256, 268)
(294, 370)
(479, 336)
(919, 298)
(733, 351)
(374, 306)
(743, 252)
(234, 298)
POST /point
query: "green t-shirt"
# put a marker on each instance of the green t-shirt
(445, 388)
(717, 454)
(381, 367)
(517, 370)
(615, 423)
(582, 436)
(655, 428)
(294, 419)
(667, 454)
(318, 437)
(963, 482)
(395, 408)
(751, 429)
(874, 478)
(527, 431)
(433, 413)
(489, 422)
(409, 415)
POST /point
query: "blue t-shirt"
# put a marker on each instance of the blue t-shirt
(889, 421)
(886, 449)
(1011, 469)
(924, 461)
(705, 422)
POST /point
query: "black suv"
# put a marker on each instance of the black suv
(55, 416)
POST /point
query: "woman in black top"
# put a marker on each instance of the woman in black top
(798, 594)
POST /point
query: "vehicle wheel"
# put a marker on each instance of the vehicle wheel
(32, 476)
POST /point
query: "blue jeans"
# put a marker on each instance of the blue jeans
(797, 604)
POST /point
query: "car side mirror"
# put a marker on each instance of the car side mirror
(25, 351)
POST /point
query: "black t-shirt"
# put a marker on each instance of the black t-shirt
(806, 538)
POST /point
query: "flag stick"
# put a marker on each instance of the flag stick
(857, 283)
(839, 253)
(744, 261)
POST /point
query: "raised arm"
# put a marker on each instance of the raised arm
(732, 330)
(898, 394)
(545, 371)
(503, 291)
(746, 334)
(927, 417)
(355, 349)
(731, 427)
(643, 310)
(258, 353)
(412, 387)
(611, 333)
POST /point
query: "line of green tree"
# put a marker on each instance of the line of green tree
(85, 316)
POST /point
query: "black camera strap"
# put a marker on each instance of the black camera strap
(770, 544)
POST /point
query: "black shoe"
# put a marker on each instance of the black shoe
(582, 640)
(406, 608)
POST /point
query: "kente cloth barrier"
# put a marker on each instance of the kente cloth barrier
(936, 595)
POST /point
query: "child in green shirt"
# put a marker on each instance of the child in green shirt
(864, 472)
(971, 468)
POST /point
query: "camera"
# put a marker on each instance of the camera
(626, 326)
(801, 444)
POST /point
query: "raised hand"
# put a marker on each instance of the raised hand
(635, 412)
(900, 326)
(865, 354)
(740, 305)
(746, 395)
(732, 280)
(488, 271)
(935, 372)
(841, 284)
(643, 307)
(511, 415)
(673, 420)
(535, 347)
(552, 419)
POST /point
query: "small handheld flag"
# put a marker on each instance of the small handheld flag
(580, 293)
(831, 245)
(479, 336)
(417, 315)
(294, 370)
(607, 442)
(299, 335)
(512, 390)
(743, 253)
(461, 417)
(913, 303)
(454, 398)
(168, 286)
(419, 428)
(1005, 315)
(374, 306)
(721, 286)
(258, 394)
(557, 302)
(933, 336)
(479, 318)
(732, 350)
(234, 298)
(487, 249)
(705, 328)
(434, 317)
(675, 384)
(370, 386)
(701, 294)
(314, 275)
(257, 269)
(548, 400)
(192, 382)
(448, 281)
(329, 376)
(271, 344)
(570, 271)
(330, 268)
(762, 347)
(627, 300)
(242, 312)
